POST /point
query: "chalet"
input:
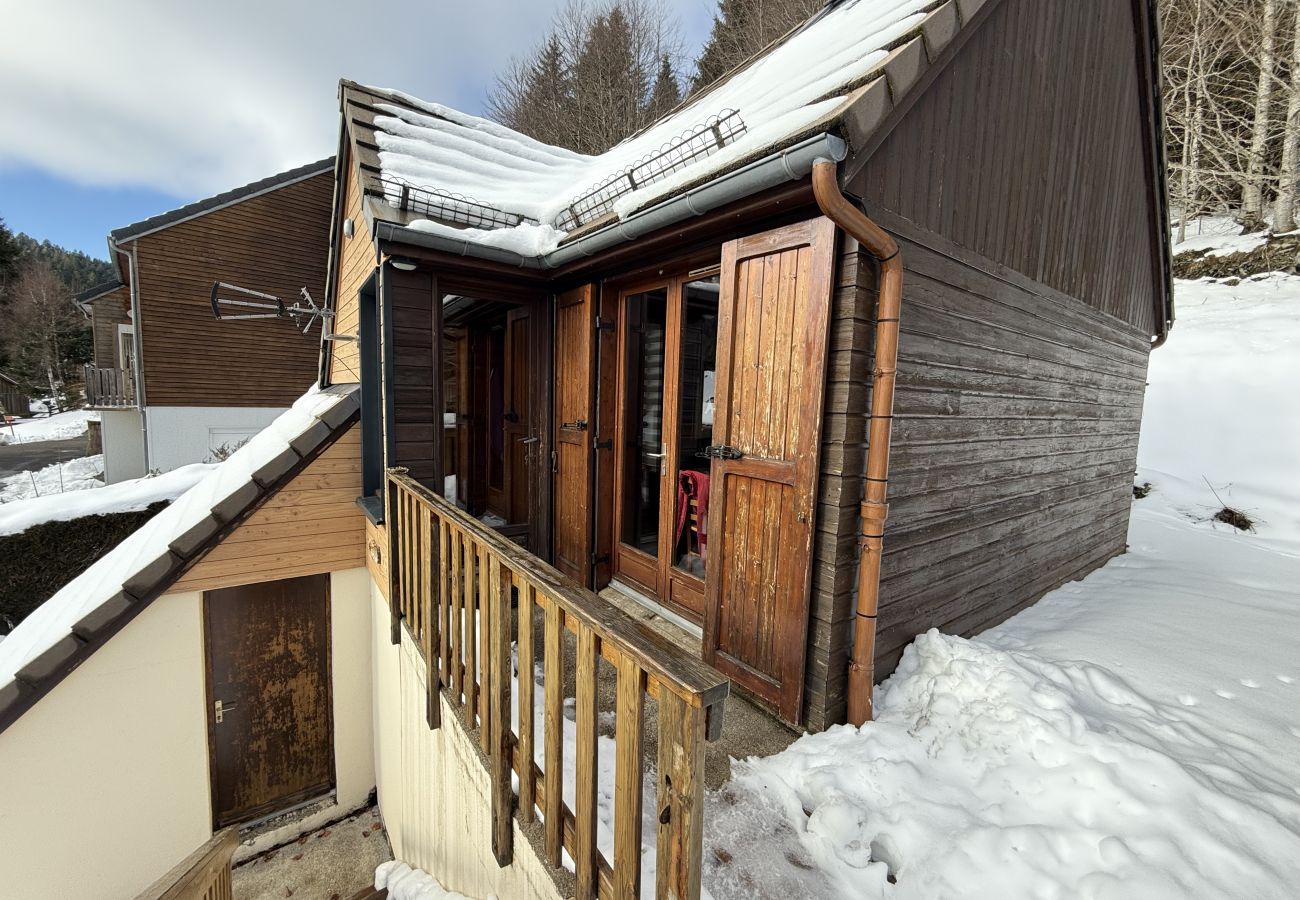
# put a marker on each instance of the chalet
(174, 385)
(851, 345)
(13, 401)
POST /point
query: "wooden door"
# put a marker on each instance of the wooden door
(518, 440)
(772, 330)
(572, 469)
(271, 737)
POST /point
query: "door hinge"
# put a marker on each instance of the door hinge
(720, 451)
(603, 445)
(598, 558)
(555, 461)
(580, 425)
(605, 324)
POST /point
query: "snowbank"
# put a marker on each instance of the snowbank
(50, 428)
(406, 883)
(72, 476)
(1135, 734)
(125, 496)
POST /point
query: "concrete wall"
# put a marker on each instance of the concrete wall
(180, 435)
(104, 782)
(433, 787)
(123, 444)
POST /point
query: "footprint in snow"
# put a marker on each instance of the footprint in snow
(1248, 682)
(1285, 679)
(1187, 700)
(1226, 695)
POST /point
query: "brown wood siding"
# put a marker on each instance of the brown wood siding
(1016, 424)
(108, 312)
(275, 242)
(356, 264)
(416, 409)
(843, 456)
(1029, 149)
(310, 526)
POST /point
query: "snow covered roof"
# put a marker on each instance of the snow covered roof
(78, 619)
(90, 295)
(520, 195)
(226, 198)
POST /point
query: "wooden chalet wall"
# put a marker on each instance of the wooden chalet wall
(107, 313)
(276, 242)
(355, 265)
(1016, 187)
(1028, 149)
(417, 413)
(310, 526)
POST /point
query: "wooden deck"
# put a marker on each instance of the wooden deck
(466, 594)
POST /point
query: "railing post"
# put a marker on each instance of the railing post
(497, 656)
(680, 798)
(395, 561)
(430, 606)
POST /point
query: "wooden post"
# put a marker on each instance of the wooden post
(458, 576)
(430, 604)
(680, 798)
(498, 719)
(627, 779)
(395, 563)
(473, 573)
(488, 582)
(584, 799)
(553, 772)
(447, 584)
(527, 660)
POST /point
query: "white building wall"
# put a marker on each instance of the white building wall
(123, 442)
(180, 435)
(434, 791)
(104, 783)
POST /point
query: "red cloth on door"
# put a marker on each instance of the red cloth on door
(693, 484)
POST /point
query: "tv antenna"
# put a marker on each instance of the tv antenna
(230, 302)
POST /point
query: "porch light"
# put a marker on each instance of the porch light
(402, 263)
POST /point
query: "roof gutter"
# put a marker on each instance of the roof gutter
(791, 164)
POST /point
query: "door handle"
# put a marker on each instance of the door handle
(219, 708)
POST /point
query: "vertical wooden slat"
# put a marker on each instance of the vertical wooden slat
(473, 573)
(680, 798)
(446, 584)
(458, 576)
(553, 731)
(584, 803)
(527, 779)
(488, 599)
(394, 563)
(627, 775)
(429, 606)
(498, 718)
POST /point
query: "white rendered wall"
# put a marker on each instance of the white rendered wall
(180, 435)
(104, 782)
(123, 444)
(433, 787)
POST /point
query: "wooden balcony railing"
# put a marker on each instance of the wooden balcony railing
(466, 594)
(203, 875)
(109, 387)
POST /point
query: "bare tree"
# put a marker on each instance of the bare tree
(1252, 196)
(41, 320)
(1289, 175)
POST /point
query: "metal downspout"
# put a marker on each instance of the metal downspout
(137, 358)
(874, 509)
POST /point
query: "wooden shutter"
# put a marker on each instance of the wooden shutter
(574, 360)
(772, 331)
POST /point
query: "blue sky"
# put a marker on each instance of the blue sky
(119, 111)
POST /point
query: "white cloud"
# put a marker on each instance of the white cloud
(195, 98)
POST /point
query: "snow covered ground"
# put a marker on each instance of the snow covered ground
(1136, 734)
(48, 428)
(1220, 235)
(57, 478)
(21, 508)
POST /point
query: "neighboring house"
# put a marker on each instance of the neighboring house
(13, 401)
(176, 385)
(677, 389)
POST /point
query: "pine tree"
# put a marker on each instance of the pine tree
(666, 93)
(741, 28)
(609, 85)
(9, 252)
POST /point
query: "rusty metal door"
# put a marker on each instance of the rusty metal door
(773, 319)
(270, 718)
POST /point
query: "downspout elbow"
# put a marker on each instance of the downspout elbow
(874, 511)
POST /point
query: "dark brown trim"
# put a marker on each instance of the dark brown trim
(30, 693)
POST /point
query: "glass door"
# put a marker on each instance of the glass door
(668, 348)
